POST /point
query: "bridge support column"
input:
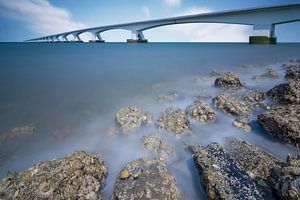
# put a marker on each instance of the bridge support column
(137, 37)
(97, 38)
(66, 38)
(263, 34)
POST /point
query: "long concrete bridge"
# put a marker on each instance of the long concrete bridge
(262, 19)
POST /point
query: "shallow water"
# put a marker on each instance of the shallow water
(78, 88)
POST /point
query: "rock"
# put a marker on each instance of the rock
(293, 72)
(156, 145)
(222, 176)
(283, 122)
(76, 176)
(254, 97)
(269, 74)
(229, 80)
(286, 180)
(145, 179)
(286, 93)
(201, 79)
(174, 120)
(61, 133)
(27, 129)
(200, 111)
(168, 97)
(242, 124)
(215, 73)
(131, 118)
(232, 105)
(112, 130)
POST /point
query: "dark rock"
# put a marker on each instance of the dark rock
(145, 179)
(222, 176)
(293, 72)
(232, 105)
(286, 93)
(283, 122)
(229, 80)
(254, 97)
(200, 111)
(76, 176)
(174, 120)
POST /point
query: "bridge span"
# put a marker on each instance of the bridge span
(263, 20)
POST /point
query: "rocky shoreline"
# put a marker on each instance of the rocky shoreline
(236, 169)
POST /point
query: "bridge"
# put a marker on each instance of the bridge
(263, 20)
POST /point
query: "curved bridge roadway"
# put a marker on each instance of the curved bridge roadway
(262, 19)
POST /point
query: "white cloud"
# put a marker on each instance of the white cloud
(146, 10)
(173, 2)
(40, 15)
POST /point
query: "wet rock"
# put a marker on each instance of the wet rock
(131, 118)
(145, 179)
(76, 176)
(27, 129)
(286, 180)
(232, 105)
(242, 124)
(293, 72)
(254, 97)
(156, 145)
(283, 122)
(286, 93)
(222, 176)
(200, 111)
(215, 73)
(168, 97)
(112, 130)
(229, 80)
(269, 74)
(174, 120)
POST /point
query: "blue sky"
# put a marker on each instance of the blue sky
(25, 19)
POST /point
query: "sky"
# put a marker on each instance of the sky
(25, 19)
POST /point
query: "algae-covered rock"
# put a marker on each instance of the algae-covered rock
(76, 176)
(286, 93)
(229, 80)
(145, 179)
(157, 145)
(200, 111)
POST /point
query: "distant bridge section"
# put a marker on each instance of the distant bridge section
(262, 19)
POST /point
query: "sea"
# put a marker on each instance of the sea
(72, 91)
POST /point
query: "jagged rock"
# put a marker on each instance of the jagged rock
(156, 145)
(131, 118)
(283, 122)
(200, 111)
(168, 97)
(293, 72)
(76, 176)
(27, 129)
(269, 74)
(145, 179)
(254, 97)
(286, 180)
(174, 120)
(242, 124)
(232, 105)
(229, 80)
(286, 93)
(222, 176)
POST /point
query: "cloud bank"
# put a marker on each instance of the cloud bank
(172, 2)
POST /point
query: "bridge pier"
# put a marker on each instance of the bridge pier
(263, 34)
(97, 38)
(137, 37)
(77, 39)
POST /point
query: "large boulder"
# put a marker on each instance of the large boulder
(200, 111)
(283, 122)
(145, 179)
(229, 80)
(174, 120)
(131, 118)
(222, 176)
(286, 93)
(76, 176)
(293, 72)
(286, 180)
(157, 145)
(233, 106)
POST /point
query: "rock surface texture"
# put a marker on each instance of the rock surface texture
(200, 111)
(156, 145)
(76, 176)
(229, 80)
(293, 72)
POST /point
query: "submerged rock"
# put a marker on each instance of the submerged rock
(215, 72)
(269, 74)
(27, 129)
(222, 176)
(286, 93)
(156, 145)
(76, 176)
(286, 180)
(168, 97)
(174, 120)
(229, 80)
(200, 111)
(145, 179)
(283, 122)
(131, 118)
(293, 72)
(232, 105)
(242, 124)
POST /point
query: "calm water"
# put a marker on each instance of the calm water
(78, 88)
